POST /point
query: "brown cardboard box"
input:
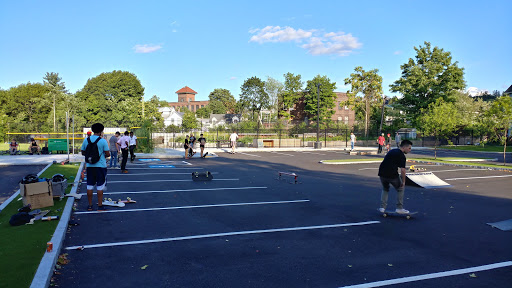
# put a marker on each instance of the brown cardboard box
(38, 194)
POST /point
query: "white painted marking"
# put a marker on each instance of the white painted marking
(432, 275)
(186, 163)
(281, 153)
(368, 169)
(191, 207)
(220, 235)
(482, 177)
(310, 152)
(453, 170)
(137, 174)
(180, 190)
(247, 154)
(174, 168)
(168, 180)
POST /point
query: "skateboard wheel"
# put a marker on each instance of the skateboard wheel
(385, 215)
(408, 217)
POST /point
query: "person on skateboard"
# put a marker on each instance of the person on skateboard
(388, 173)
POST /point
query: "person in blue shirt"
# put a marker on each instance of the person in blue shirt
(97, 172)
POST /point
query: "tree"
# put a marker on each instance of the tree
(499, 119)
(221, 101)
(254, 97)
(25, 107)
(189, 121)
(57, 90)
(203, 112)
(365, 92)
(292, 92)
(431, 75)
(327, 97)
(274, 89)
(114, 98)
(439, 120)
(151, 112)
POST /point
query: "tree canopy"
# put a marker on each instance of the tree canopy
(221, 101)
(327, 97)
(292, 91)
(253, 96)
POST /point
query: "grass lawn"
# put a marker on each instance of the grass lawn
(487, 148)
(21, 147)
(440, 160)
(22, 247)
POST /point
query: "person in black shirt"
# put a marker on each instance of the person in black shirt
(388, 173)
(186, 146)
(202, 141)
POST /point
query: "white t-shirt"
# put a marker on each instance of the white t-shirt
(233, 137)
(132, 140)
(352, 138)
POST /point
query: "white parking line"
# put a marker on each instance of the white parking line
(281, 153)
(179, 190)
(432, 275)
(167, 180)
(190, 207)
(247, 154)
(174, 168)
(480, 177)
(310, 152)
(137, 174)
(219, 235)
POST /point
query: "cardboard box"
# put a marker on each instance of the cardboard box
(38, 194)
(58, 188)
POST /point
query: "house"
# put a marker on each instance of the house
(171, 116)
(187, 98)
(508, 91)
(220, 120)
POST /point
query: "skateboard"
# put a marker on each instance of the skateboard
(415, 169)
(109, 202)
(128, 200)
(205, 154)
(393, 213)
(39, 214)
(202, 176)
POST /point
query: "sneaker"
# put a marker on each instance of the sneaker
(89, 208)
(125, 171)
(402, 211)
(382, 210)
(102, 208)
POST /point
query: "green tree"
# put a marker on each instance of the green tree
(203, 112)
(499, 120)
(439, 120)
(189, 121)
(431, 75)
(292, 92)
(327, 98)
(56, 91)
(26, 108)
(114, 98)
(151, 112)
(365, 93)
(254, 97)
(274, 89)
(221, 101)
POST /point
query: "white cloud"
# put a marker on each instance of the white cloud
(232, 78)
(398, 52)
(316, 43)
(174, 30)
(474, 91)
(146, 48)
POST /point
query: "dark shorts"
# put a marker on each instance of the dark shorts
(96, 176)
(201, 146)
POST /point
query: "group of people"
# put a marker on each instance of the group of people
(189, 145)
(33, 147)
(120, 147)
(381, 141)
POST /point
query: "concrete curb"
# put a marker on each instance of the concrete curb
(462, 165)
(354, 162)
(46, 267)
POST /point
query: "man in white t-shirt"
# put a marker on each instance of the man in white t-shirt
(352, 141)
(232, 138)
(133, 145)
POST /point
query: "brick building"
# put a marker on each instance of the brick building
(187, 98)
(342, 113)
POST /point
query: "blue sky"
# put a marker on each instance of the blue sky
(218, 44)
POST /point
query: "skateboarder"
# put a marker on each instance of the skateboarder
(388, 173)
(232, 138)
(202, 141)
(186, 146)
(381, 141)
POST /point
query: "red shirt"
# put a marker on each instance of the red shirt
(381, 140)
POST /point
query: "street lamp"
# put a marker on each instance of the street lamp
(318, 144)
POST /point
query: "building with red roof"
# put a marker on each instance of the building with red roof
(187, 98)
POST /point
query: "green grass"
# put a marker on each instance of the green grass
(21, 147)
(462, 158)
(461, 162)
(350, 160)
(487, 148)
(22, 247)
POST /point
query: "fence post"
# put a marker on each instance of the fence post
(325, 135)
(218, 143)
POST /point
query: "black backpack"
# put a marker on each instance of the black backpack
(92, 154)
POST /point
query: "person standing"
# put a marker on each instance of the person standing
(123, 144)
(381, 140)
(388, 173)
(186, 146)
(96, 172)
(388, 143)
(191, 143)
(397, 140)
(113, 149)
(133, 145)
(352, 141)
(232, 138)
(202, 141)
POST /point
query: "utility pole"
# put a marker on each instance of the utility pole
(318, 144)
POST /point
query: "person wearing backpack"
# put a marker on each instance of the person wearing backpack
(96, 150)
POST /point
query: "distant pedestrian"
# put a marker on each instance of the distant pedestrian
(388, 173)
(352, 141)
(381, 140)
(388, 143)
(113, 149)
(123, 144)
(192, 142)
(132, 146)
(202, 142)
(186, 145)
(13, 147)
(398, 139)
(96, 172)
(232, 138)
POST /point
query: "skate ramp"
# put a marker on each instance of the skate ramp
(426, 180)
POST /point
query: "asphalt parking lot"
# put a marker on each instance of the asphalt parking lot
(246, 228)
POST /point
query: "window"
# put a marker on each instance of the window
(346, 119)
(346, 107)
